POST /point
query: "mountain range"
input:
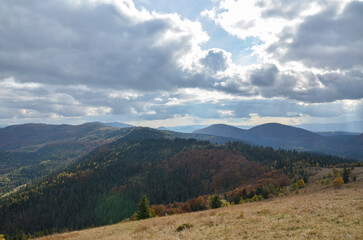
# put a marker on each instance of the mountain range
(104, 185)
(287, 137)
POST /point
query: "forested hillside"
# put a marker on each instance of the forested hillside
(104, 186)
(32, 151)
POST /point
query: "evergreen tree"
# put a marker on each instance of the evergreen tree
(244, 193)
(345, 175)
(215, 201)
(144, 209)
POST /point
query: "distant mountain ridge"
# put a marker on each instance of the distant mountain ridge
(355, 126)
(287, 137)
(183, 129)
(15, 136)
(115, 124)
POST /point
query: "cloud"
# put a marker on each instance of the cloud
(66, 59)
(328, 40)
(264, 76)
(310, 51)
(34, 100)
(96, 43)
(216, 60)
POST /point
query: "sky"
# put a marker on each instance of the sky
(170, 63)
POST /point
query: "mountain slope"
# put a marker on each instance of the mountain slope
(223, 130)
(353, 148)
(283, 136)
(104, 186)
(298, 216)
(115, 124)
(287, 137)
(17, 136)
(32, 151)
(35, 150)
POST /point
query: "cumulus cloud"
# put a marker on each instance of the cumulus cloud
(264, 76)
(96, 43)
(216, 60)
(330, 39)
(34, 100)
(311, 51)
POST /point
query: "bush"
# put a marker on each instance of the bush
(301, 183)
(338, 182)
(183, 226)
(294, 187)
(256, 198)
(225, 203)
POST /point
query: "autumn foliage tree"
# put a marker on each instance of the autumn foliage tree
(338, 182)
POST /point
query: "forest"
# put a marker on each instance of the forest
(104, 186)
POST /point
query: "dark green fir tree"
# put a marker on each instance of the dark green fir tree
(143, 209)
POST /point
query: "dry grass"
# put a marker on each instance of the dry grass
(316, 213)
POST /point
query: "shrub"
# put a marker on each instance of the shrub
(295, 187)
(338, 182)
(225, 203)
(183, 226)
(301, 183)
(256, 198)
(335, 172)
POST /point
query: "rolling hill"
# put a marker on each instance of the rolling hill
(104, 186)
(287, 137)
